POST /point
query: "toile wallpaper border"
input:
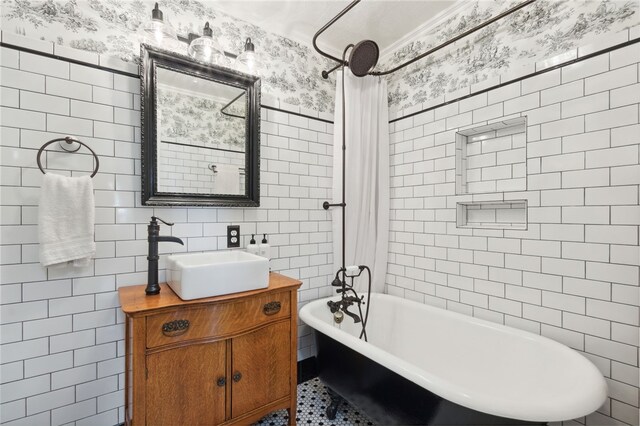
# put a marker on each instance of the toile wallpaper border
(539, 31)
(291, 70)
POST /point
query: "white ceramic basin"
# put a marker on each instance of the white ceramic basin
(196, 275)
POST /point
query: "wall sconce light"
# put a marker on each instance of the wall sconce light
(158, 30)
(247, 61)
(205, 48)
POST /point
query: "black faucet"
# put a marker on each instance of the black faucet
(343, 305)
(356, 318)
(154, 238)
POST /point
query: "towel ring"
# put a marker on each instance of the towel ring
(69, 140)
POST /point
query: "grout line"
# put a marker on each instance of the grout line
(66, 59)
(125, 73)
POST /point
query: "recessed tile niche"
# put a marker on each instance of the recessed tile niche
(510, 214)
(492, 158)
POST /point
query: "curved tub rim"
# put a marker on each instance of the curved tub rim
(438, 385)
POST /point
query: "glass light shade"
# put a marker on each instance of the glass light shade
(248, 62)
(156, 30)
(206, 49)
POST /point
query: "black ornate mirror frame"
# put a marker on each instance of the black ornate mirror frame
(153, 57)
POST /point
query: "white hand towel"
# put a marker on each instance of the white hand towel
(66, 216)
(227, 179)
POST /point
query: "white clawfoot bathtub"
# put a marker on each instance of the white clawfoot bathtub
(477, 364)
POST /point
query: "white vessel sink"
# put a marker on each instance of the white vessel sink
(196, 275)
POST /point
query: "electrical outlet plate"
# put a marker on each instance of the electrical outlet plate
(233, 236)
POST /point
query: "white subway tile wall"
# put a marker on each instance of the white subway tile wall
(191, 169)
(62, 353)
(573, 273)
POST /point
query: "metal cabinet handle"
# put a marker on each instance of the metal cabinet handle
(237, 376)
(221, 381)
(175, 328)
(271, 308)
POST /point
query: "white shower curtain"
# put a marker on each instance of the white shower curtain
(367, 177)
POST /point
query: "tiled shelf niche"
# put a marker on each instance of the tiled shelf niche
(492, 158)
(510, 214)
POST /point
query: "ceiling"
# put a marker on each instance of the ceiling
(386, 22)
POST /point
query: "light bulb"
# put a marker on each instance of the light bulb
(158, 35)
(251, 61)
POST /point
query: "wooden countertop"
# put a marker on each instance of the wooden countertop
(133, 298)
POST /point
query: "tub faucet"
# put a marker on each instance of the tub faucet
(154, 238)
(356, 318)
(343, 305)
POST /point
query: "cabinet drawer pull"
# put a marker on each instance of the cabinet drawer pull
(175, 328)
(221, 381)
(237, 376)
(271, 308)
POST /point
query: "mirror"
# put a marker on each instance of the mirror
(200, 140)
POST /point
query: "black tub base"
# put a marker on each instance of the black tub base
(386, 397)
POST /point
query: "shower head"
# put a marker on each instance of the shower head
(363, 57)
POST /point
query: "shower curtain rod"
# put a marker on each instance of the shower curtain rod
(222, 110)
(325, 74)
(323, 29)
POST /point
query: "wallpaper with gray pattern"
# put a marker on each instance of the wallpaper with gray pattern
(291, 71)
(536, 32)
(199, 121)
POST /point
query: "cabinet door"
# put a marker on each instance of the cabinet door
(263, 361)
(182, 385)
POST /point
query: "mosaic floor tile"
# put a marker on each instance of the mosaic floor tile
(312, 403)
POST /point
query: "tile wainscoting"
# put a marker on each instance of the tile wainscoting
(61, 328)
(573, 273)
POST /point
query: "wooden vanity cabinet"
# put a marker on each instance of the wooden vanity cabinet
(217, 361)
(202, 401)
